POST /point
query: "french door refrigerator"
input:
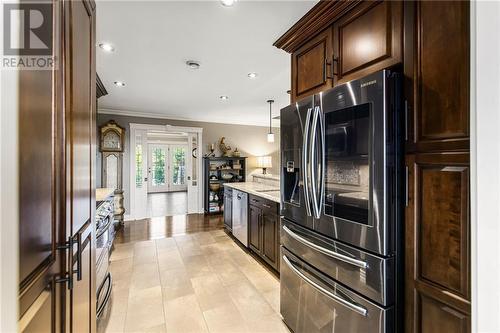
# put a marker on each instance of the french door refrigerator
(341, 184)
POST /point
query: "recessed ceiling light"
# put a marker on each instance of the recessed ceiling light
(107, 47)
(228, 3)
(193, 64)
(119, 83)
(224, 97)
(252, 75)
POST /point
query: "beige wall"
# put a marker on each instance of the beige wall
(251, 141)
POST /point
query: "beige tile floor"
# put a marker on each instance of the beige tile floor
(200, 282)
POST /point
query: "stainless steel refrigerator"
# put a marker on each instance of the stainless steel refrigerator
(341, 185)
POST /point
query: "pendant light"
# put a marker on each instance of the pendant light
(270, 135)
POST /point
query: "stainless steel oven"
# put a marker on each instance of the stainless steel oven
(341, 203)
(104, 242)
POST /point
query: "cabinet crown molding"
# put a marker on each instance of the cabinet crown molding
(322, 15)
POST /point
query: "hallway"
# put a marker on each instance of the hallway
(184, 274)
(167, 204)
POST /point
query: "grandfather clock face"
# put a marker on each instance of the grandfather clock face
(112, 137)
(111, 141)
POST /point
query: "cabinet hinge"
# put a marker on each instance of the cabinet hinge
(407, 190)
(407, 112)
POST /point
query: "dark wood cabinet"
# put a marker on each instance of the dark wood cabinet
(437, 243)
(270, 240)
(254, 228)
(311, 65)
(40, 173)
(367, 39)
(263, 224)
(437, 69)
(80, 120)
(57, 188)
(437, 218)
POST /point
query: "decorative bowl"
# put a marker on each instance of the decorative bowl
(227, 176)
(214, 187)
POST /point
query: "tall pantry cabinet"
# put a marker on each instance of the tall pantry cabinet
(57, 179)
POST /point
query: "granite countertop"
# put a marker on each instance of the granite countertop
(102, 194)
(269, 192)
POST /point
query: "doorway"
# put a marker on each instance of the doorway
(164, 170)
(167, 168)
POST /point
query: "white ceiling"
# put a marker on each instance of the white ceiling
(153, 40)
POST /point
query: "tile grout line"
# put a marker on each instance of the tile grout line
(128, 290)
(161, 286)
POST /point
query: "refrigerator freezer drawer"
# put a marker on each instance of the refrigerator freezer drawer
(371, 276)
(310, 302)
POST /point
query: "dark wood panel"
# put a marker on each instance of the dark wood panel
(439, 72)
(37, 176)
(40, 168)
(436, 317)
(310, 66)
(443, 241)
(367, 39)
(81, 151)
(270, 236)
(254, 232)
(437, 236)
(78, 121)
(40, 317)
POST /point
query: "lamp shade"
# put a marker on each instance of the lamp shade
(264, 162)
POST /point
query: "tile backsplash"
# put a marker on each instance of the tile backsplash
(270, 180)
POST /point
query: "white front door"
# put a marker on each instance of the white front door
(177, 168)
(158, 162)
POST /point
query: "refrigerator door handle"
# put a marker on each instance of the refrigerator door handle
(322, 161)
(317, 196)
(347, 303)
(338, 256)
(306, 163)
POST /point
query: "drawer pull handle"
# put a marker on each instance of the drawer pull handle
(330, 253)
(354, 307)
(267, 206)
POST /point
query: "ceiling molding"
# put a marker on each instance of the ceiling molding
(320, 17)
(140, 114)
(100, 89)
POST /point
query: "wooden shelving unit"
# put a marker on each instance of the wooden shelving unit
(214, 170)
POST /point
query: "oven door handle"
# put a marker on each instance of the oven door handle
(306, 163)
(354, 307)
(325, 251)
(102, 306)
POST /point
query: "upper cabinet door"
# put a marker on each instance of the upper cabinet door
(311, 66)
(367, 39)
(437, 47)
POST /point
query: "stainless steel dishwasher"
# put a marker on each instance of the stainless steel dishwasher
(240, 216)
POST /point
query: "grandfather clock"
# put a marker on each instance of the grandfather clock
(111, 145)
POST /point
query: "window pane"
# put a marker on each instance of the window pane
(158, 167)
(179, 165)
(138, 166)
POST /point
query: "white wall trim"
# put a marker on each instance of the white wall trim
(141, 114)
(485, 166)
